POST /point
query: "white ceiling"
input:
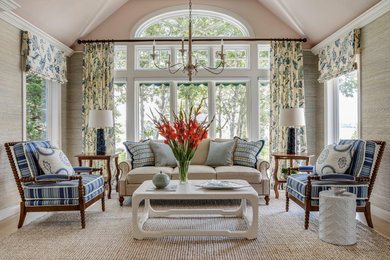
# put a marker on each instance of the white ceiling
(69, 20)
(317, 19)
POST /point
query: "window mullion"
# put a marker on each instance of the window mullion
(212, 108)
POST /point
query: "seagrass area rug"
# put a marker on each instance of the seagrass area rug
(108, 235)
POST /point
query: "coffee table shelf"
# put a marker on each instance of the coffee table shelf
(190, 191)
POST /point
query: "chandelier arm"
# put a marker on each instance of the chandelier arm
(213, 70)
(176, 70)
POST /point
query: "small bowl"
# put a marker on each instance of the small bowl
(338, 191)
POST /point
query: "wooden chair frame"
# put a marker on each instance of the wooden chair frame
(306, 205)
(82, 206)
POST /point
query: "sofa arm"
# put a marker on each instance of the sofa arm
(125, 167)
(262, 166)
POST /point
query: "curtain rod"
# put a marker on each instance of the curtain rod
(195, 40)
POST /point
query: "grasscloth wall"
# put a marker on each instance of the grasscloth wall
(375, 79)
(10, 107)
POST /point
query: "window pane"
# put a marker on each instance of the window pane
(231, 110)
(120, 59)
(36, 108)
(145, 61)
(191, 94)
(264, 60)
(348, 106)
(120, 119)
(234, 58)
(264, 112)
(152, 97)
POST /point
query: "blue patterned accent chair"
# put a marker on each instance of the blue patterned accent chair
(359, 179)
(41, 192)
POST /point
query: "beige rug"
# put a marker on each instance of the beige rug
(108, 235)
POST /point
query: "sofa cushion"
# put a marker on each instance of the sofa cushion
(221, 154)
(140, 152)
(141, 174)
(201, 153)
(246, 152)
(163, 154)
(197, 172)
(249, 174)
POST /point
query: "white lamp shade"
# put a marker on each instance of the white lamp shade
(292, 117)
(100, 118)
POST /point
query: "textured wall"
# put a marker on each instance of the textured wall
(72, 100)
(375, 79)
(10, 107)
(310, 71)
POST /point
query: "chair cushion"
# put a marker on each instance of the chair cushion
(363, 153)
(53, 161)
(82, 169)
(64, 190)
(296, 186)
(249, 174)
(221, 154)
(201, 153)
(24, 155)
(163, 154)
(197, 172)
(334, 159)
(139, 175)
(140, 152)
(246, 152)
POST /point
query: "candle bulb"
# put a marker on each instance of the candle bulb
(154, 46)
(221, 47)
(182, 43)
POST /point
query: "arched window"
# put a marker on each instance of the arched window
(205, 24)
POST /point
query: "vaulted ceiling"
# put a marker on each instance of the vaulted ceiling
(69, 20)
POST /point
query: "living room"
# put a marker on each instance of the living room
(194, 129)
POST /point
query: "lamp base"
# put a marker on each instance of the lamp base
(291, 140)
(100, 142)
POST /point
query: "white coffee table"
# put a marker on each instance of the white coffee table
(190, 191)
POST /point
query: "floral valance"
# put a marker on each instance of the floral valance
(42, 58)
(339, 57)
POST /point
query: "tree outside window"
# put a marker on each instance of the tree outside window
(191, 94)
(264, 112)
(120, 118)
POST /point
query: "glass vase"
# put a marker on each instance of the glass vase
(183, 171)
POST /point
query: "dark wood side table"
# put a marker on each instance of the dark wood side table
(107, 158)
(291, 158)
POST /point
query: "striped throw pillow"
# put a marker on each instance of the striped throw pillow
(246, 152)
(140, 152)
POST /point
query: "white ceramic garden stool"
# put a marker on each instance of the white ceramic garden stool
(337, 218)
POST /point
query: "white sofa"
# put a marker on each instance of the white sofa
(130, 179)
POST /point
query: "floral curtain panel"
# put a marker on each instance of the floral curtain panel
(42, 58)
(287, 91)
(339, 57)
(98, 91)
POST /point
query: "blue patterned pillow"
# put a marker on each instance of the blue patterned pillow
(246, 153)
(53, 161)
(334, 159)
(140, 152)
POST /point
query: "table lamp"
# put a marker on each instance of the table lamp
(291, 117)
(100, 119)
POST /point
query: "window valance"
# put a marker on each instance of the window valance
(42, 58)
(339, 57)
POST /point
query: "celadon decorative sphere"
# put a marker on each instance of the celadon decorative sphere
(160, 180)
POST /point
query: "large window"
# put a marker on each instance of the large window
(236, 57)
(342, 108)
(264, 117)
(120, 118)
(191, 94)
(42, 110)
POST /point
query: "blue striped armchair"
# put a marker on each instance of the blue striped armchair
(359, 179)
(51, 192)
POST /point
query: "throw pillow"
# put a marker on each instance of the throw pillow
(53, 161)
(140, 152)
(246, 152)
(220, 154)
(163, 154)
(334, 159)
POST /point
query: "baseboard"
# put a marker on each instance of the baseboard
(7, 212)
(380, 213)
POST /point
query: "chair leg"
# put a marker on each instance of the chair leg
(103, 203)
(367, 214)
(22, 215)
(307, 216)
(121, 199)
(266, 200)
(287, 201)
(82, 213)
